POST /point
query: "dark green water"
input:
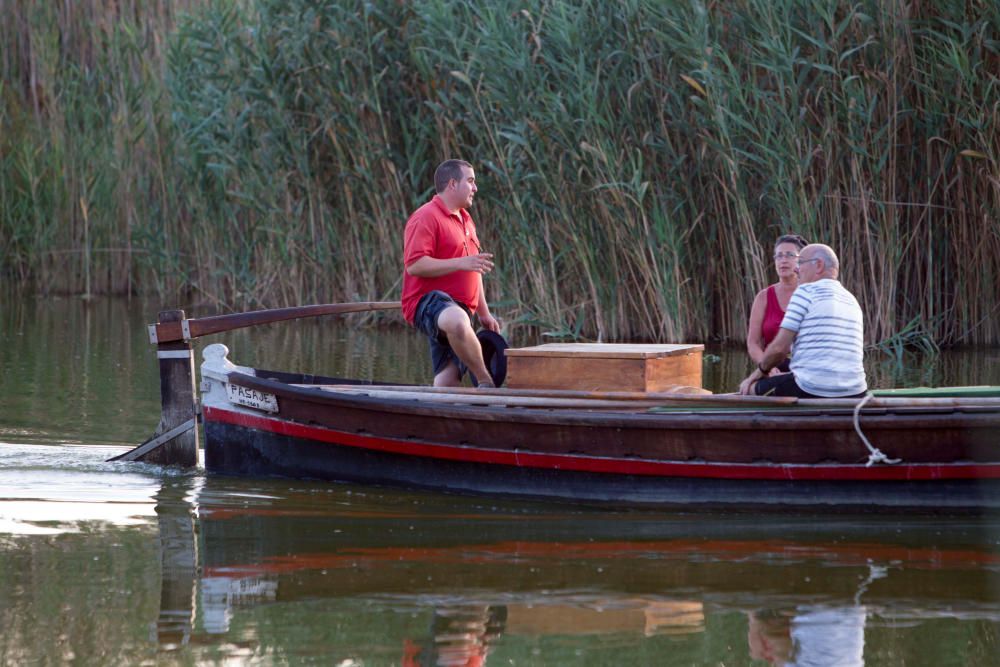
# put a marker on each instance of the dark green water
(109, 564)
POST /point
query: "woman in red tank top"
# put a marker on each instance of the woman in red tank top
(770, 303)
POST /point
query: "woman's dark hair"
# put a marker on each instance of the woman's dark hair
(794, 239)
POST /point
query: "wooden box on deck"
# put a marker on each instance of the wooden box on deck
(604, 367)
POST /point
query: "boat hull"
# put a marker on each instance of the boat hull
(242, 443)
(657, 451)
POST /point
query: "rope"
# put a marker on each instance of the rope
(875, 455)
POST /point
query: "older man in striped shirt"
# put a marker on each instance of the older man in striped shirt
(824, 331)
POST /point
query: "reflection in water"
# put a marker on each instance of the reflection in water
(465, 634)
(829, 636)
(220, 595)
(808, 635)
(460, 636)
(454, 582)
(578, 615)
(278, 572)
(769, 635)
(178, 563)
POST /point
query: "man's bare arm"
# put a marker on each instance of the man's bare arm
(779, 349)
(432, 267)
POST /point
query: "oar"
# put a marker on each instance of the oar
(164, 332)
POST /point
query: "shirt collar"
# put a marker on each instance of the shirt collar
(462, 214)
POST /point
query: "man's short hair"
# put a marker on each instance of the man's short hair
(448, 171)
(825, 253)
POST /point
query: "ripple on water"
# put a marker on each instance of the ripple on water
(47, 489)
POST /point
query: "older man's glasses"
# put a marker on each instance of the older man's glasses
(806, 261)
(785, 255)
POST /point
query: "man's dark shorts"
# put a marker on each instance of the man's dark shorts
(425, 320)
(785, 385)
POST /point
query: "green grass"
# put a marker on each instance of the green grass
(636, 159)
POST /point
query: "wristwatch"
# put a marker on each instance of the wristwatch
(763, 370)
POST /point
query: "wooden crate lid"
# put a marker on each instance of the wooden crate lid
(604, 350)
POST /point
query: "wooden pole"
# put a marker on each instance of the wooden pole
(178, 403)
(182, 329)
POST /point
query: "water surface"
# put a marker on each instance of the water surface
(121, 563)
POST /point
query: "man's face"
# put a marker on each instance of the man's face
(809, 267)
(465, 188)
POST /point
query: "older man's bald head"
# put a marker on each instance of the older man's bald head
(827, 264)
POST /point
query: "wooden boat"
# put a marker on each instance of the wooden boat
(934, 450)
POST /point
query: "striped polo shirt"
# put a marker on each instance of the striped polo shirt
(828, 348)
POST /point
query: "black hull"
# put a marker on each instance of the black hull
(243, 451)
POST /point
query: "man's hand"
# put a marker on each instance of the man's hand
(746, 387)
(773, 355)
(489, 322)
(481, 263)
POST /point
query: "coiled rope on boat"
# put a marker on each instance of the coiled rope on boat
(875, 455)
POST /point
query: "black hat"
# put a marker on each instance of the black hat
(494, 357)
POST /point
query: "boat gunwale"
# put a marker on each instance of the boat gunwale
(790, 417)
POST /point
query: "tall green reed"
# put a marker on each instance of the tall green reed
(636, 159)
(85, 143)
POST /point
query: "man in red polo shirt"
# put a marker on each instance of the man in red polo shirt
(443, 280)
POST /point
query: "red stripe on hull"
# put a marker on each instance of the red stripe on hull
(613, 466)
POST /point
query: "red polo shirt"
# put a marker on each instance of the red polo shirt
(436, 232)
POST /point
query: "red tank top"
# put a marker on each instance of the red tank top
(773, 315)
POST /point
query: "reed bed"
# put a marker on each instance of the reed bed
(636, 159)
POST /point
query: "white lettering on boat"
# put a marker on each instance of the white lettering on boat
(252, 398)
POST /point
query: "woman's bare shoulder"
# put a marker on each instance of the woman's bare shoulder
(761, 295)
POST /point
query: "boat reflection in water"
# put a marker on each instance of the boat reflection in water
(394, 578)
